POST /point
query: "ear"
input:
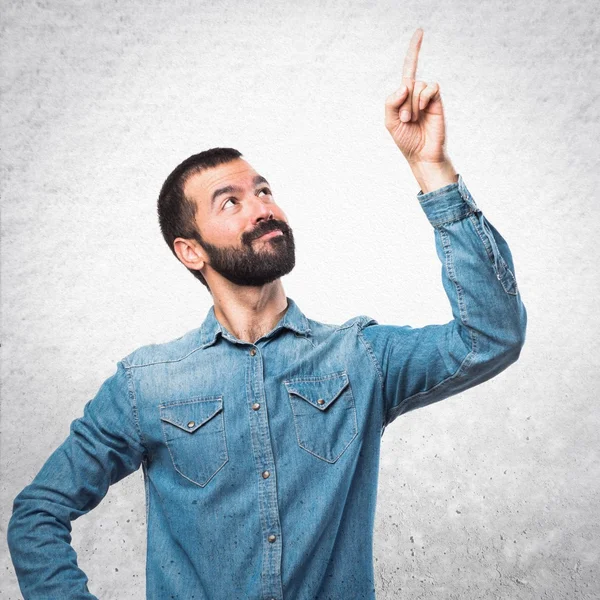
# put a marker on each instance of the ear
(189, 253)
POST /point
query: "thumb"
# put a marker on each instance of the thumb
(393, 103)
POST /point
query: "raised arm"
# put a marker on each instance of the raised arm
(418, 366)
(103, 447)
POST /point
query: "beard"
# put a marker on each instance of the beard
(249, 267)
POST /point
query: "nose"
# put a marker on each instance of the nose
(261, 211)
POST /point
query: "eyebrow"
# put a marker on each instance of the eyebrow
(233, 188)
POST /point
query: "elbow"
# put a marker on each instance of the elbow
(511, 342)
(14, 533)
(26, 522)
(508, 350)
(502, 347)
(17, 527)
(520, 333)
(512, 353)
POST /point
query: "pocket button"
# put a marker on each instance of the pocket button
(194, 433)
(324, 414)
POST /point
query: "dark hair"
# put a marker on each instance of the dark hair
(176, 212)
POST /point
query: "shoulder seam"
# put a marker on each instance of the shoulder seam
(133, 404)
(158, 362)
(360, 320)
(371, 353)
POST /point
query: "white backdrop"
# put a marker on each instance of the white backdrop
(490, 494)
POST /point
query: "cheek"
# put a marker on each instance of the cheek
(217, 234)
(221, 230)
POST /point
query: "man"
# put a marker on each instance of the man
(259, 432)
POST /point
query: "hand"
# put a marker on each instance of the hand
(422, 133)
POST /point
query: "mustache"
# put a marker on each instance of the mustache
(266, 227)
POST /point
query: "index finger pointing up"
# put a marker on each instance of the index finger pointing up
(412, 56)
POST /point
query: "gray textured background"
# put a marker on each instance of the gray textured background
(490, 494)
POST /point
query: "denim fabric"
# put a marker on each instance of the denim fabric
(261, 460)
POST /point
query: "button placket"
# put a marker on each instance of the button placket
(262, 448)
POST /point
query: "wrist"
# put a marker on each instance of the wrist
(433, 175)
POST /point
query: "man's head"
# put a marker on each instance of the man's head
(213, 209)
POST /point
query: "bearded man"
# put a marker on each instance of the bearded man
(259, 432)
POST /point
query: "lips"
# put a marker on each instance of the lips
(270, 234)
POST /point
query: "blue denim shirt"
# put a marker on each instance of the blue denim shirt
(261, 460)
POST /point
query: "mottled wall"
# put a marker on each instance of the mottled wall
(490, 494)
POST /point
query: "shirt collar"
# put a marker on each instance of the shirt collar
(293, 319)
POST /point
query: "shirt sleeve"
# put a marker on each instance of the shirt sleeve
(103, 446)
(419, 366)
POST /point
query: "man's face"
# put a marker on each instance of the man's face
(235, 208)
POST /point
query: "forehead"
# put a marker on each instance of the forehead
(200, 186)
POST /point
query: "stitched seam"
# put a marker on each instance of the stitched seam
(338, 374)
(466, 363)
(464, 317)
(146, 491)
(371, 353)
(449, 262)
(191, 401)
(378, 370)
(305, 338)
(507, 276)
(133, 404)
(342, 327)
(438, 224)
(175, 464)
(296, 428)
(160, 362)
(452, 276)
(484, 240)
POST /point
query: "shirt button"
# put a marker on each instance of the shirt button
(191, 424)
(255, 406)
(320, 401)
(265, 474)
(272, 538)
(253, 352)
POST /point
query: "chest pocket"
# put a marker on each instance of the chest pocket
(194, 432)
(324, 414)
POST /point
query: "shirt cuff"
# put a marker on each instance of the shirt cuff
(449, 203)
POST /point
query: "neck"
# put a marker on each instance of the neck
(250, 312)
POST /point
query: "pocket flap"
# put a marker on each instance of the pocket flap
(319, 392)
(192, 414)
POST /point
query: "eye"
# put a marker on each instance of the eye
(228, 199)
(266, 190)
